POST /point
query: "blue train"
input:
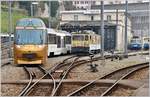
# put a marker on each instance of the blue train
(146, 44)
(135, 44)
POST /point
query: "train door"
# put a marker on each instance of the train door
(110, 38)
(58, 38)
(63, 44)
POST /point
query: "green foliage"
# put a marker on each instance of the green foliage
(68, 5)
(5, 19)
(42, 6)
(54, 22)
(45, 20)
(25, 5)
(54, 7)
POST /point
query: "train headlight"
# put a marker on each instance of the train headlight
(40, 46)
(18, 46)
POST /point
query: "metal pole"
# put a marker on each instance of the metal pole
(142, 40)
(10, 28)
(149, 28)
(116, 28)
(125, 38)
(49, 3)
(31, 9)
(102, 29)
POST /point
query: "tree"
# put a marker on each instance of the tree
(54, 8)
(25, 5)
(68, 5)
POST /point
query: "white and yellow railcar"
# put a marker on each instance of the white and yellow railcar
(86, 41)
(59, 42)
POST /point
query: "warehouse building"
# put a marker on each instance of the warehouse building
(139, 15)
(114, 22)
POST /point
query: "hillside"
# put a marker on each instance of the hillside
(16, 15)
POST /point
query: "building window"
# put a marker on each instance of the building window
(86, 2)
(110, 2)
(93, 2)
(82, 2)
(116, 2)
(75, 17)
(92, 18)
(77, 2)
(119, 2)
(108, 17)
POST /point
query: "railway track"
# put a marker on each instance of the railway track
(28, 89)
(110, 89)
(124, 75)
(65, 62)
(64, 75)
(32, 75)
(57, 86)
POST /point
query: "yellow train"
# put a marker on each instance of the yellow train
(30, 42)
(86, 41)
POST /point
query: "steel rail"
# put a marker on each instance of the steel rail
(31, 76)
(123, 77)
(64, 75)
(54, 82)
(51, 70)
(90, 83)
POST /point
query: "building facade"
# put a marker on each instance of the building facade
(120, 1)
(90, 20)
(86, 4)
(83, 4)
(139, 14)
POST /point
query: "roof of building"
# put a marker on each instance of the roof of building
(94, 11)
(131, 6)
(87, 23)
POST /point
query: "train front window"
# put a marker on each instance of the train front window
(136, 41)
(30, 37)
(33, 22)
(78, 37)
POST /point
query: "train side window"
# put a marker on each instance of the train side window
(68, 39)
(58, 41)
(51, 39)
(78, 37)
(93, 39)
(90, 37)
(86, 37)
